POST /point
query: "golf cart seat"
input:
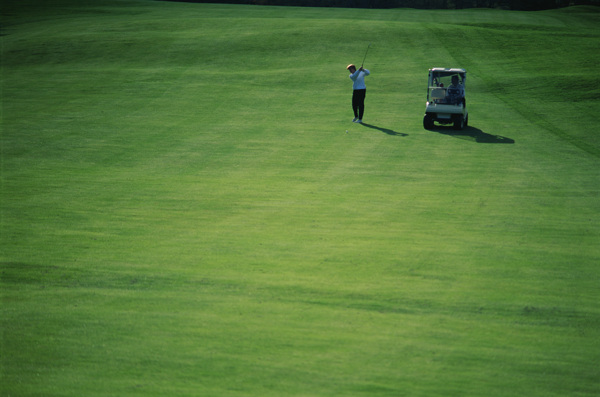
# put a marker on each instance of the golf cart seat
(438, 93)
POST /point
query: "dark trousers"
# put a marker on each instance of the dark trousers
(358, 102)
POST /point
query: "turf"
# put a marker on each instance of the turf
(187, 208)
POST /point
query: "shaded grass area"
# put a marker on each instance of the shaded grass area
(188, 210)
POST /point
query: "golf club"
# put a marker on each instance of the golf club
(365, 57)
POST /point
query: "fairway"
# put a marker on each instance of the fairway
(187, 208)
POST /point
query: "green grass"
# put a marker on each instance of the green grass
(188, 210)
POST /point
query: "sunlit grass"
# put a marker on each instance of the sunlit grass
(187, 208)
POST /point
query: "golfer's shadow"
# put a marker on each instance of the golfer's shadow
(384, 130)
(472, 134)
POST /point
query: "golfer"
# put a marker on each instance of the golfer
(456, 92)
(359, 91)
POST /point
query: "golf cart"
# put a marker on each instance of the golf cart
(446, 102)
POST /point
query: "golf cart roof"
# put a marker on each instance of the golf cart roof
(448, 70)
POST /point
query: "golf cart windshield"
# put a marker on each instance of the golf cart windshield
(441, 90)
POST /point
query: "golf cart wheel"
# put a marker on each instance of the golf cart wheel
(467, 121)
(459, 122)
(428, 122)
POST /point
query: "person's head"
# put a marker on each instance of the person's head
(351, 68)
(455, 80)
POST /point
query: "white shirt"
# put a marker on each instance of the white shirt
(359, 79)
(456, 91)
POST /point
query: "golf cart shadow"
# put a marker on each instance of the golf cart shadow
(384, 130)
(472, 134)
